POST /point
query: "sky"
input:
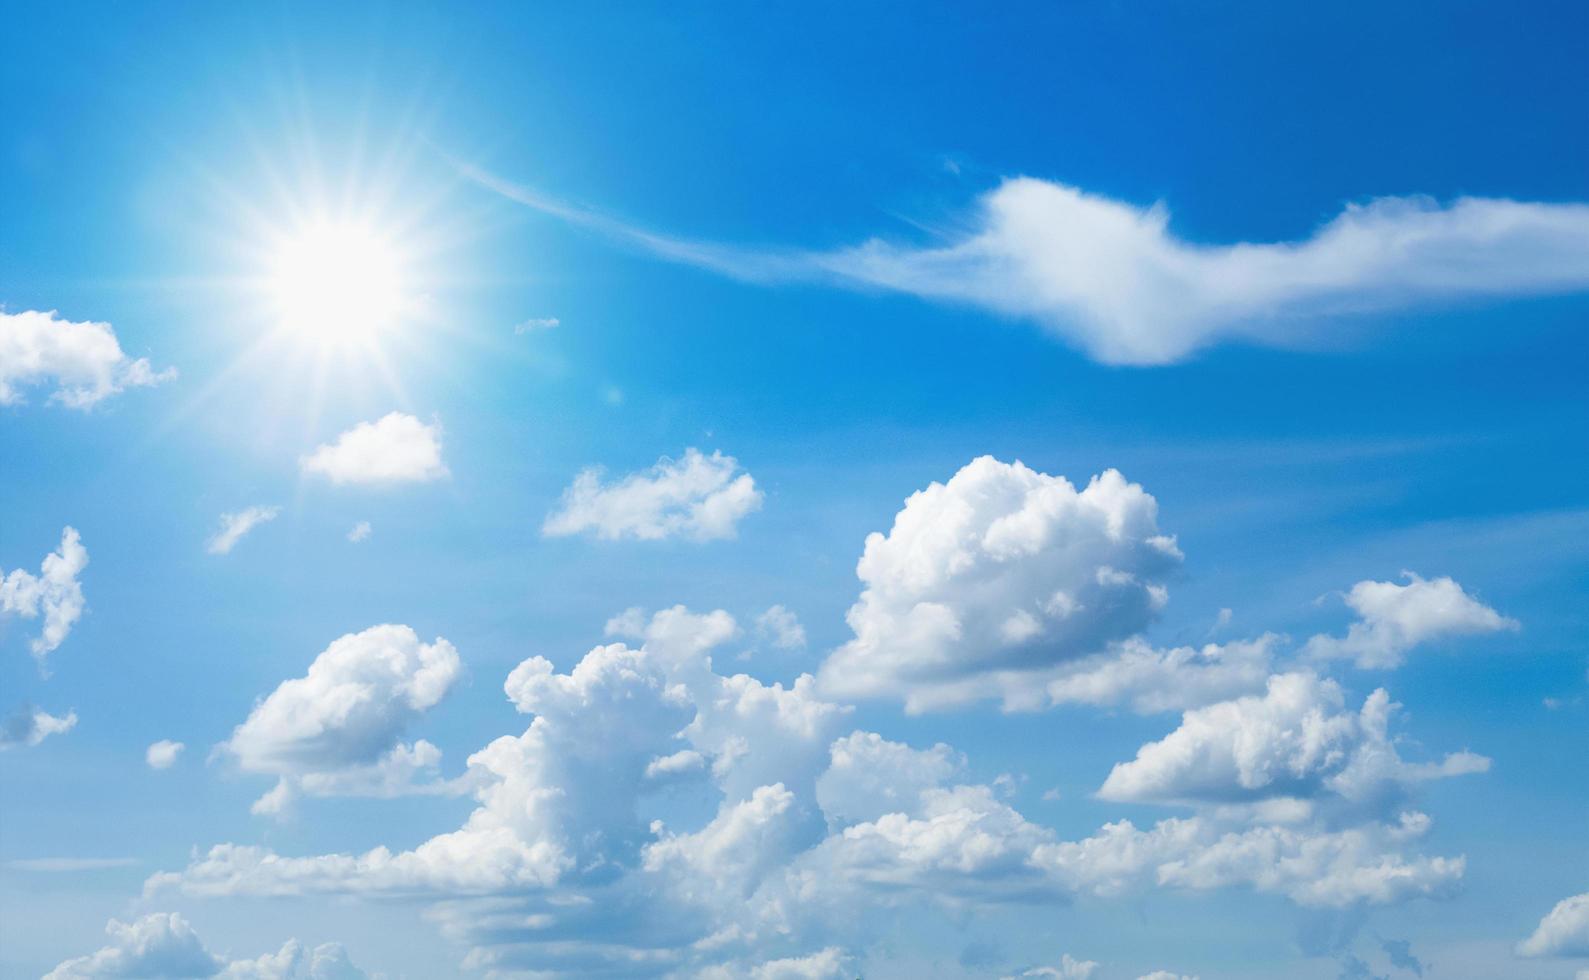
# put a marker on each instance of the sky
(1093, 491)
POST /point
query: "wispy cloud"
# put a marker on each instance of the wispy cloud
(1111, 277)
(235, 525)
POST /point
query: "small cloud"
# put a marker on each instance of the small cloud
(163, 754)
(359, 532)
(536, 323)
(29, 726)
(1052, 794)
(397, 448)
(54, 593)
(235, 525)
(698, 497)
(782, 628)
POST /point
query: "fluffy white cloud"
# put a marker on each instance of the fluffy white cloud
(335, 730)
(163, 946)
(1564, 931)
(163, 754)
(396, 448)
(1112, 278)
(1166, 975)
(82, 362)
(29, 726)
(1392, 619)
(782, 627)
(55, 593)
(698, 497)
(988, 582)
(235, 525)
(359, 532)
(159, 945)
(1296, 741)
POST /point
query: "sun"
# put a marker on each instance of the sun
(336, 283)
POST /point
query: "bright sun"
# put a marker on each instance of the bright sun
(336, 283)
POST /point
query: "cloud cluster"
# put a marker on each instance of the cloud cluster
(559, 868)
(1114, 280)
(699, 497)
(81, 361)
(54, 593)
(987, 583)
(1393, 619)
(660, 816)
(164, 944)
(336, 731)
(396, 448)
(235, 525)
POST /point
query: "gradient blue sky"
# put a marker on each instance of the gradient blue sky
(701, 175)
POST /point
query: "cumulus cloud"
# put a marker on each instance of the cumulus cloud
(1393, 619)
(699, 497)
(235, 525)
(782, 628)
(163, 754)
(987, 583)
(164, 945)
(54, 593)
(1114, 280)
(1296, 741)
(396, 448)
(336, 730)
(81, 362)
(1564, 931)
(29, 726)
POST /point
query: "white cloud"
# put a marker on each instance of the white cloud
(164, 945)
(1069, 968)
(55, 593)
(359, 532)
(1392, 619)
(1150, 680)
(1564, 931)
(537, 323)
(159, 945)
(986, 583)
(870, 777)
(698, 497)
(396, 448)
(1294, 742)
(1166, 975)
(335, 731)
(237, 524)
(782, 628)
(82, 362)
(163, 754)
(29, 726)
(1114, 280)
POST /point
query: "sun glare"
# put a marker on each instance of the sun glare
(336, 283)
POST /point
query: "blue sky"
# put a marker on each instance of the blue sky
(629, 333)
